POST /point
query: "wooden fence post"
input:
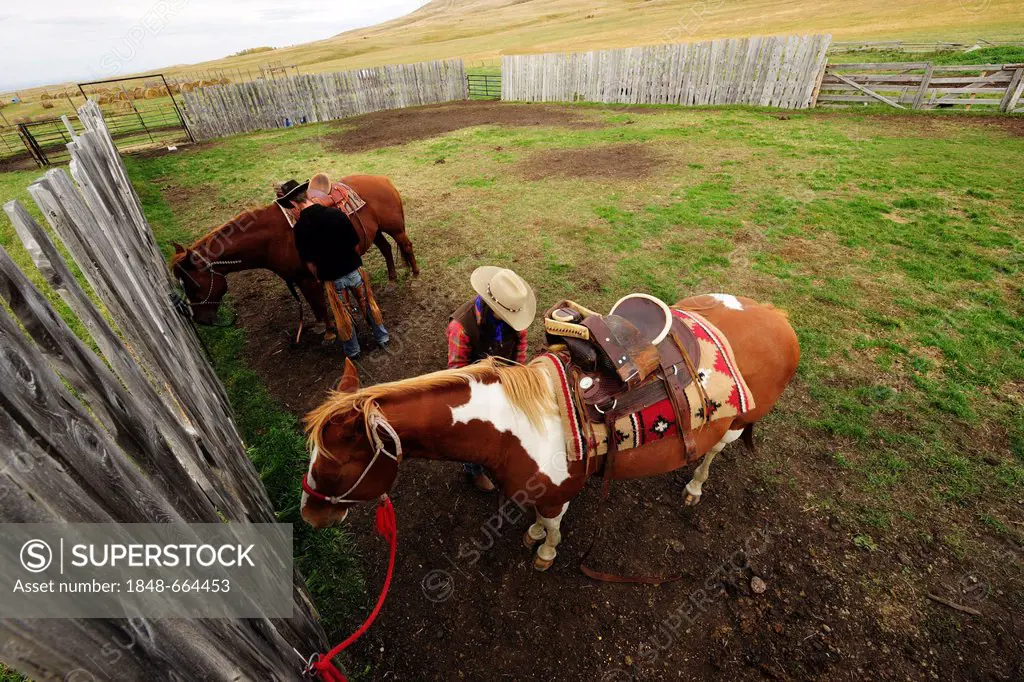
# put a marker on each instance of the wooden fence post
(926, 79)
(147, 438)
(1013, 91)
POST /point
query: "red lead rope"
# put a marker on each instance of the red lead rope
(387, 526)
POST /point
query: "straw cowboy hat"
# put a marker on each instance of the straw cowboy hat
(319, 186)
(507, 294)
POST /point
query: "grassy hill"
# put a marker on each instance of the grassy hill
(483, 30)
(480, 31)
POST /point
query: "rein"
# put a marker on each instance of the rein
(386, 525)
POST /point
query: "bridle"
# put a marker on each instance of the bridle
(209, 267)
(375, 420)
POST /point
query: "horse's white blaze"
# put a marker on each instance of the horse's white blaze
(729, 301)
(546, 447)
(309, 476)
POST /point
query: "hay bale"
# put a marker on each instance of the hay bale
(225, 81)
(47, 104)
(45, 97)
(154, 93)
(123, 106)
(103, 99)
(139, 93)
(185, 87)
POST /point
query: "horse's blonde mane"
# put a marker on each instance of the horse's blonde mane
(527, 388)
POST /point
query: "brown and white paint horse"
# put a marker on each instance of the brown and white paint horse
(504, 417)
(262, 238)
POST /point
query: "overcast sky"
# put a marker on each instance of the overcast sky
(68, 40)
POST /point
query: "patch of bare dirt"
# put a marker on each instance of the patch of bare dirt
(17, 163)
(621, 161)
(181, 198)
(400, 126)
(896, 218)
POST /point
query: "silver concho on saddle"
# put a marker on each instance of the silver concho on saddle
(633, 357)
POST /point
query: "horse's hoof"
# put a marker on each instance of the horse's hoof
(691, 500)
(529, 541)
(542, 564)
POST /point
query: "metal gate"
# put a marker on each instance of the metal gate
(483, 86)
(142, 112)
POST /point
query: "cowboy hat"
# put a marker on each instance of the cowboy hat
(319, 186)
(291, 192)
(507, 294)
(283, 188)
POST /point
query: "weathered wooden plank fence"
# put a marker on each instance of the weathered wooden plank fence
(145, 437)
(923, 85)
(776, 71)
(222, 110)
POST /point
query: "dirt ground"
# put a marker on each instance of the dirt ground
(621, 161)
(399, 126)
(467, 604)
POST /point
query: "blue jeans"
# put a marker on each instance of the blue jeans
(354, 281)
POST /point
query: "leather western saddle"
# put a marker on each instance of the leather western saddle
(633, 357)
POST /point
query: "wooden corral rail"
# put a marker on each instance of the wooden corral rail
(776, 71)
(145, 437)
(923, 85)
(222, 110)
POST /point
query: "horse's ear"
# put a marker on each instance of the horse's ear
(178, 248)
(349, 379)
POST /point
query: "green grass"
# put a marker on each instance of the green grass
(274, 440)
(899, 263)
(276, 446)
(9, 675)
(273, 437)
(894, 242)
(1006, 54)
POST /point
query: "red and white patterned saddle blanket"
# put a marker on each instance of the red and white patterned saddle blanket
(342, 196)
(717, 372)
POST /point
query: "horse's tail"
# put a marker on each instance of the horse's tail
(748, 438)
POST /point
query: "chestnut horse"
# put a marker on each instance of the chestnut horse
(504, 417)
(262, 238)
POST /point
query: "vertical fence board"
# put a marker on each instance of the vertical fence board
(778, 71)
(147, 438)
(221, 110)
